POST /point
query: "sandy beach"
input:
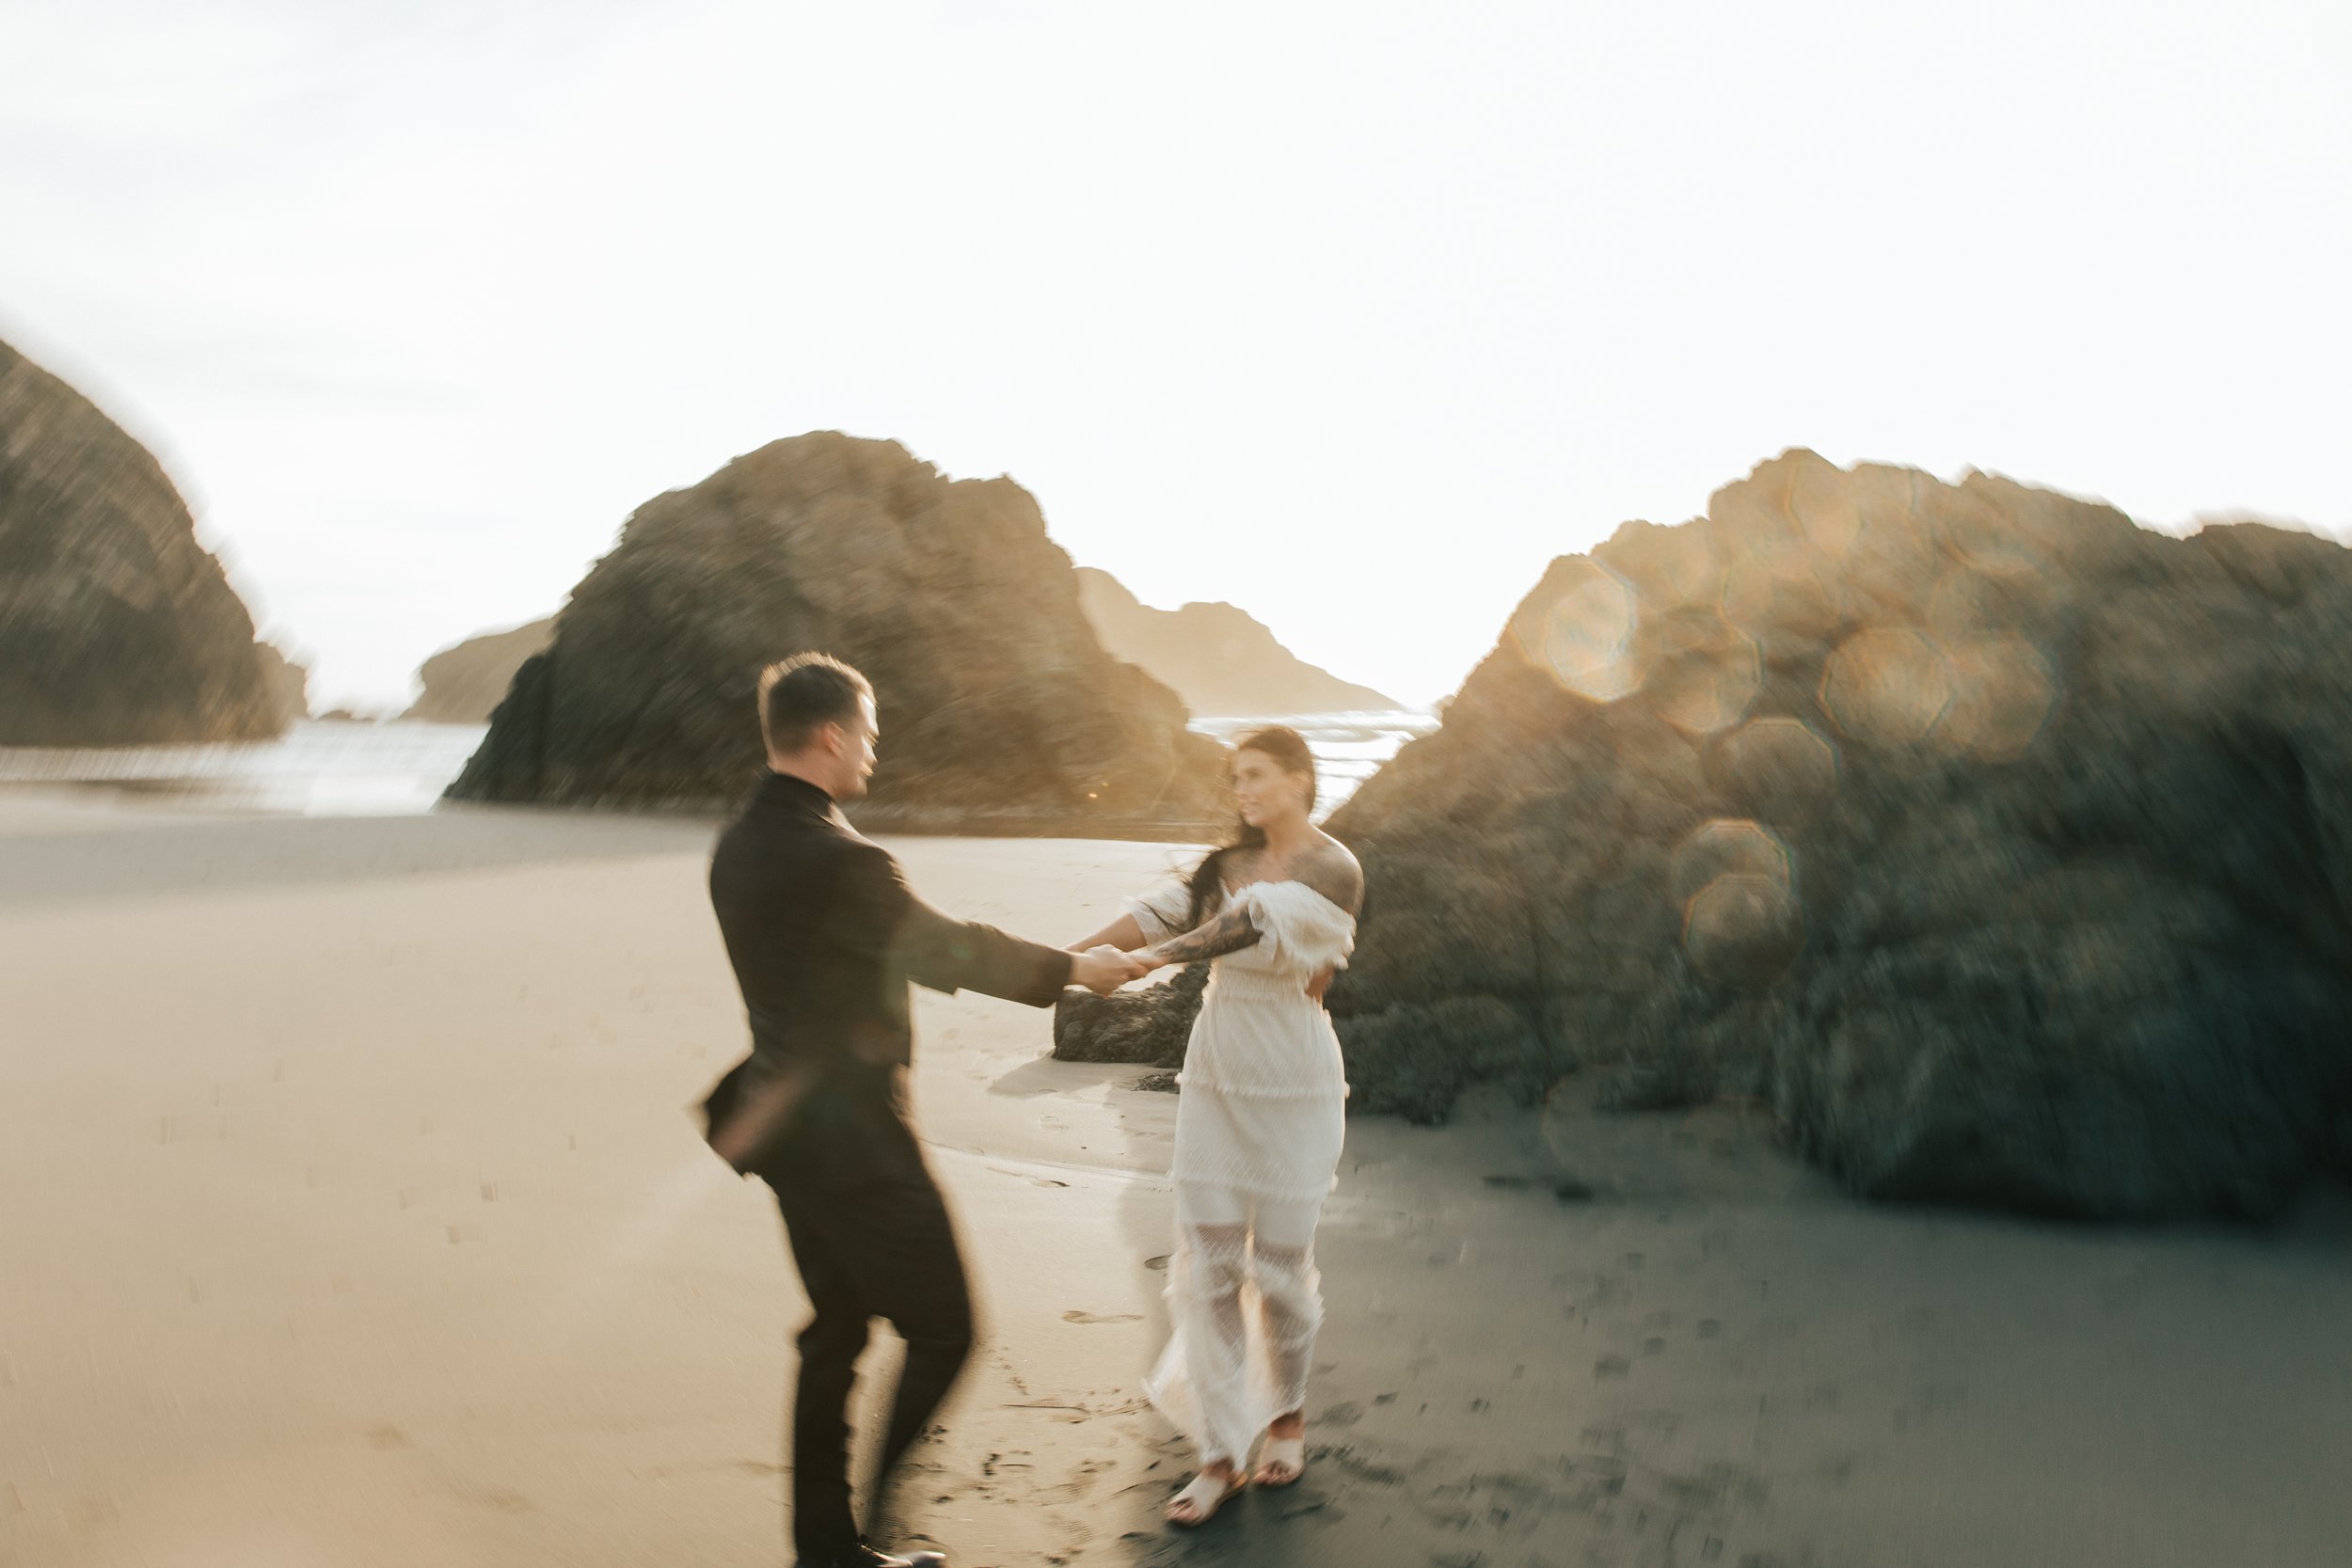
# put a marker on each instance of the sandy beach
(353, 1217)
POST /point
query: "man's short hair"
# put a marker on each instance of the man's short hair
(801, 695)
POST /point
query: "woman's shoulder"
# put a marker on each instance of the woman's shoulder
(1330, 868)
(1328, 847)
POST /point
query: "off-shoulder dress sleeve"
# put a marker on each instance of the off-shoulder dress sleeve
(1298, 929)
(1162, 910)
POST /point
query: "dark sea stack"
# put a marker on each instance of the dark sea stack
(463, 684)
(1220, 659)
(2000, 846)
(1000, 710)
(117, 629)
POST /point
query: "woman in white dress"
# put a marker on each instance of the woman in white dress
(1259, 1122)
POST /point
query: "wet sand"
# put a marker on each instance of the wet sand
(352, 1217)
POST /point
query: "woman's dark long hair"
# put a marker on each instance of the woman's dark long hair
(1287, 749)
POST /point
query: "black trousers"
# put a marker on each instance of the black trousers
(872, 1239)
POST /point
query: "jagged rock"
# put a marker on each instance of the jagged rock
(1148, 1024)
(117, 629)
(1219, 659)
(2001, 845)
(1000, 710)
(464, 682)
(289, 683)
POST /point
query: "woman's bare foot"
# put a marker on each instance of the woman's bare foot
(1283, 1459)
(1199, 1502)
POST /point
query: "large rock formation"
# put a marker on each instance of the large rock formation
(2002, 846)
(117, 627)
(464, 682)
(1000, 711)
(1219, 659)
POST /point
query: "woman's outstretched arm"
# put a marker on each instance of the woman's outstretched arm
(1123, 933)
(1227, 932)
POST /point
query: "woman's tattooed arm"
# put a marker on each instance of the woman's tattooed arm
(1228, 931)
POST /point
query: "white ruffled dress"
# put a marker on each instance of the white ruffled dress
(1258, 1129)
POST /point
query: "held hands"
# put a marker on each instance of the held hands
(1103, 969)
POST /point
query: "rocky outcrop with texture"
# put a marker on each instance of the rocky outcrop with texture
(117, 629)
(1148, 1024)
(289, 683)
(2002, 847)
(1000, 710)
(1219, 659)
(464, 682)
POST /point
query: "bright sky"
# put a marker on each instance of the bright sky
(1353, 315)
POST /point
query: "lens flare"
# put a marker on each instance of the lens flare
(1728, 846)
(2003, 693)
(1977, 532)
(1779, 766)
(1585, 638)
(1736, 883)
(1887, 685)
(1743, 930)
(1707, 688)
(1669, 567)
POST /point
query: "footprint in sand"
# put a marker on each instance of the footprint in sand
(1077, 1315)
(1080, 1483)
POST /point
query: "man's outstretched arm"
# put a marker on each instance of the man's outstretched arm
(878, 912)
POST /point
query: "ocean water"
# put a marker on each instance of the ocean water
(321, 769)
(316, 769)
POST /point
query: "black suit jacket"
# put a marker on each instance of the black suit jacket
(825, 934)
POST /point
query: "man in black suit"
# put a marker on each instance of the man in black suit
(825, 934)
